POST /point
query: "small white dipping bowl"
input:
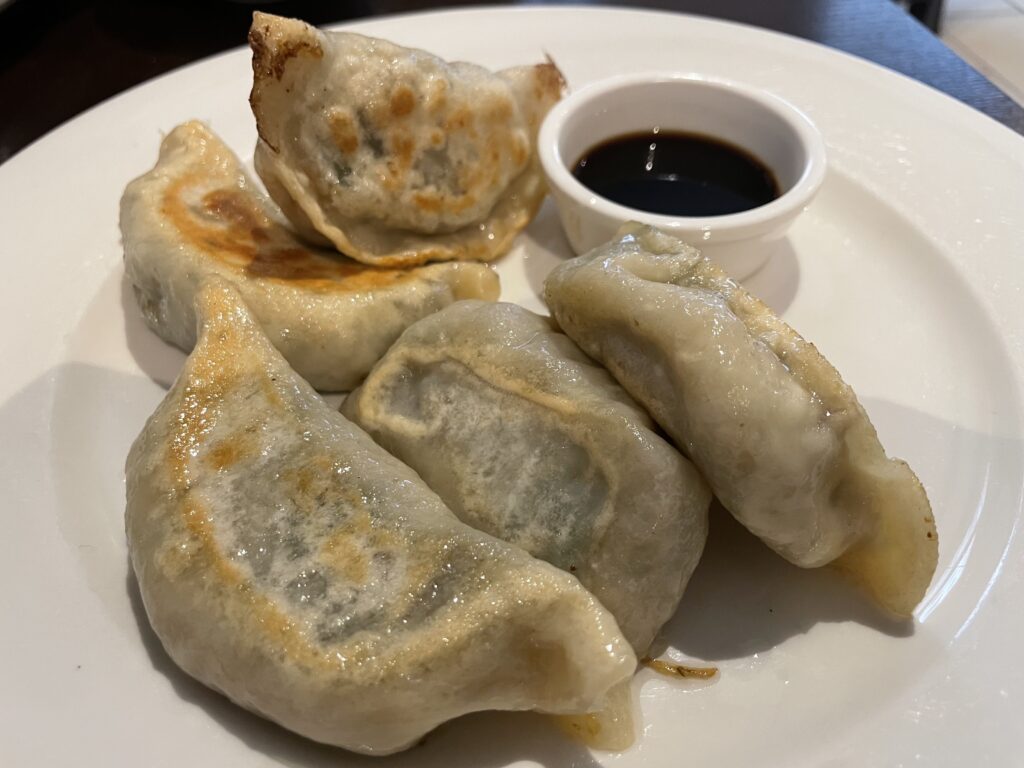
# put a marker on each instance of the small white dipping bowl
(774, 131)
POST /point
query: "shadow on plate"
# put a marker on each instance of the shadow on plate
(157, 359)
(545, 247)
(480, 740)
(777, 281)
(745, 599)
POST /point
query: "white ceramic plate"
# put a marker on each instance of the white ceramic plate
(907, 271)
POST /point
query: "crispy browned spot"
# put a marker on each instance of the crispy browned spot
(345, 558)
(344, 132)
(462, 202)
(403, 101)
(228, 225)
(458, 120)
(472, 243)
(500, 111)
(437, 97)
(312, 481)
(520, 153)
(344, 550)
(398, 164)
(213, 376)
(402, 146)
(427, 201)
(433, 202)
(213, 373)
(228, 452)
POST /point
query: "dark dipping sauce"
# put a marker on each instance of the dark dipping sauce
(677, 174)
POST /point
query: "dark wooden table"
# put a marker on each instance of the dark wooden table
(58, 58)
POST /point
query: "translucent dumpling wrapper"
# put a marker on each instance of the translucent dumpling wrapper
(197, 214)
(288, 561)
(392, 154)
(526, 438)
(782, 440)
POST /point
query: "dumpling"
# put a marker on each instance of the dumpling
(289, 562)
(525, 438)
(392, 154)
(780, 437)
(198, 214)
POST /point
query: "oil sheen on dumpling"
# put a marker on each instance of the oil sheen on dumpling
(781, 438)
(198, 214)
(390, 153)
(287, 561)
(526, 438)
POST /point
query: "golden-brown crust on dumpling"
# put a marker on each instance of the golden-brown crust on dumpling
(403, 159)
(197, 213)
(228, 225)
(288, 562)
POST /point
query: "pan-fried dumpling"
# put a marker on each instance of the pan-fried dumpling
(198, 214)
(289, 562)
(780, 437)
(392, 154)
(526, 438)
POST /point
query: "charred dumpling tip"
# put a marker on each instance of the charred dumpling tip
(274, 40)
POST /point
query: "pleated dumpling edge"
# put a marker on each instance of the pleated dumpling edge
(780, 437)
(287, 561)
(197, 214)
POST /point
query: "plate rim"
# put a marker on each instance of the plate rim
(960, 109)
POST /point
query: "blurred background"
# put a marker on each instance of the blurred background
(60, 58)
(990, 35)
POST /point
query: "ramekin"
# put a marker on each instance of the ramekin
(773, 130)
